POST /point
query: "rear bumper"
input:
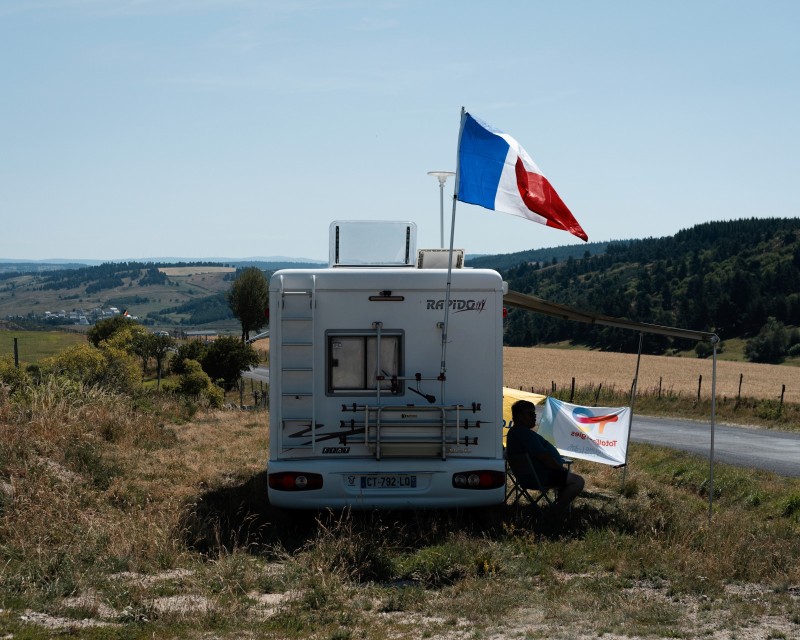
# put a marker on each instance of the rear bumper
(343, 484)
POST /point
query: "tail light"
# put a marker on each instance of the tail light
(295, 481)
(484, 479)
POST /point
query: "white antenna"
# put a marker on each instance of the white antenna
(442, 176)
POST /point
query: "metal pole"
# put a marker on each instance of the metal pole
(443, 370)
(442, 177)
(713, 418)
(441, 214)
(633, 400)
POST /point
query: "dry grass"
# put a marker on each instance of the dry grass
(538, 368)
(150, 517)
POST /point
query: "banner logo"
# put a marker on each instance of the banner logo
(583, 416)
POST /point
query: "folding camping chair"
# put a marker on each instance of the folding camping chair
(518, 466)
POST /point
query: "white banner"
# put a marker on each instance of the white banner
(599, 434)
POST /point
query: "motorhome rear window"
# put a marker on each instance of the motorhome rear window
(353, 362)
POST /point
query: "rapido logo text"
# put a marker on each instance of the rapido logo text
(458, 305)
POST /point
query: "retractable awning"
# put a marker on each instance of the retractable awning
(538, 305)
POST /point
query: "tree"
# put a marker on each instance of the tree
(161, 345)
(226, 358)
(191, 350)
(151, 345)
(104, 329)
(248, 299)
(770, 344)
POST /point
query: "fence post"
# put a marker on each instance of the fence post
(660, 378)
(572, 391)
(739, 394)
(783, 391)
(553, 387)
(597, 394)
(699, 386)
(16, 354)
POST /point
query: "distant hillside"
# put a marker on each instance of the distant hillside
(182, 293)
(728, 277)
(28, 266)
(506, 260)
(16, 267)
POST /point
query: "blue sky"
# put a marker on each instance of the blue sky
(241, 128)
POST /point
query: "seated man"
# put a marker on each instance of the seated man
(522, 438)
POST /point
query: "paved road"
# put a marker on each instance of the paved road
(260, 374)
(776, 451)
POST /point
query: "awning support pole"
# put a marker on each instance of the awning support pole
(633, 401)
(713, 419)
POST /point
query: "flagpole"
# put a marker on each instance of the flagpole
(443, 369)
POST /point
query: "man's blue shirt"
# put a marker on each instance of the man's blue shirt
(520, 440)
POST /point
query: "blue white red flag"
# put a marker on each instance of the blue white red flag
(496, 173)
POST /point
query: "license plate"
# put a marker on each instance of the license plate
(393, 481)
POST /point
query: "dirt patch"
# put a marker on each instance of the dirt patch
(57, 623)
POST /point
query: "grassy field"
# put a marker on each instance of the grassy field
(147, 517)
(117, 525)
(32, 346)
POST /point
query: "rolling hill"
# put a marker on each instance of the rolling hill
(729, 277)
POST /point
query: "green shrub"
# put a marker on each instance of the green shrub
(80, 363)
(438, 565)
(11, 376)
(770, 344)
(792, 508)
(195, 383)
(108, 367)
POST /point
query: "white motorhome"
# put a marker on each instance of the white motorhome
(367, 409)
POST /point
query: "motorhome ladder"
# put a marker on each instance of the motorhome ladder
(298, 419)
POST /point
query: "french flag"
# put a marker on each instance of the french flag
(495, 172)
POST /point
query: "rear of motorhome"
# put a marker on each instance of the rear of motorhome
(369, 407)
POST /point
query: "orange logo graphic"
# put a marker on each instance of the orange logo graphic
(583, 416)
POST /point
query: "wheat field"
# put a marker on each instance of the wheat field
(537, 368)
